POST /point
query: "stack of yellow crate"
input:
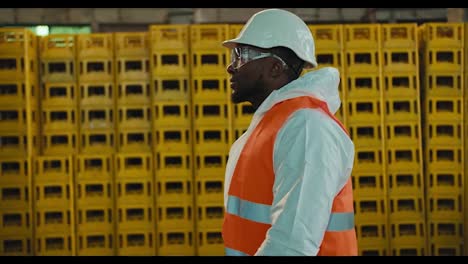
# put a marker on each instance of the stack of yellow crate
(465, 118)
(134, 177)
(96, 93)
(443, 135)
(363, 97)
(134, 204)
(54, 231)
(211, 130)
(53, 177)
(58, 95)
(19, 120)
(94, 205)
(96, 143)
(403, 149)
(172, 133)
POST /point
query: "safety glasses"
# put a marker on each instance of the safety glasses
(242, 55)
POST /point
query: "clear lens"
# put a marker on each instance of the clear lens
(243, 55)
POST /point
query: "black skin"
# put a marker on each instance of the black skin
(256, 79)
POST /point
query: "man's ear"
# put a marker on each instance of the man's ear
(276, 69)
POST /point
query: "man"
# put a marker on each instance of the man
(287, 188)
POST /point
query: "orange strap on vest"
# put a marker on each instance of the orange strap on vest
(250, 196)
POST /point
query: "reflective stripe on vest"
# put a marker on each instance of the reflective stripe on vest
(260, 213)
(250, 195)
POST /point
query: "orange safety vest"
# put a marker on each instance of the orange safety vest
(250, 195)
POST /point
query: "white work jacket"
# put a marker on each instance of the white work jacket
(312, 160)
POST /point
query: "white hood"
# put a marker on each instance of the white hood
(321, 84)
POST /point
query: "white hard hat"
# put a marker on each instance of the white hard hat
(278, 28)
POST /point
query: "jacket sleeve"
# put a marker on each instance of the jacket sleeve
(313, 158)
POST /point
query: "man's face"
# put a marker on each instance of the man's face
(247, 82)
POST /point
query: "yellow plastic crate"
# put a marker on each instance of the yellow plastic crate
(173, 165)
(399, 35)
(94, 192)
(137, 165)
(214, 138)
(15, 222)
(133, 93)
(176, 242)
(362, 62)
(63, 94)
(135, 217)
(16, 245)
(172, 139)
(363, 110)
(17, 196)
(209, 189)
(366, 134)
(208, 36)
(362, 36)
(96, 70)
(368, 159)
(63, 119)
(171, 88)
(14, 171)
(444, 157)
(403, 134)
(444, 109)
(368, 184)
(444, 84)
(132, 69)
(170, 63)
(171, 114)
(408, 207)
(403, 182)
(95, 45)
(134, 141)
(165, 37)
(13, 93)
(210, 242)
(54, 220)
(397, 85)
(404, 158)
(133, 117)
(94, 218)
(131, 44)
(327, 37)
(94, 166)
(134, 191)
(210, 114)
(401, 61)
(54, 245)
(173, 216)
(59, 70)
(210, 215)
(96, 243)
(92, 142)
(173, 191)
(100, 94)
(210, 61)
(59, 143)
(444, 182)
(210, 164)
(402, 110)
(210, 88)
(408, 232)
